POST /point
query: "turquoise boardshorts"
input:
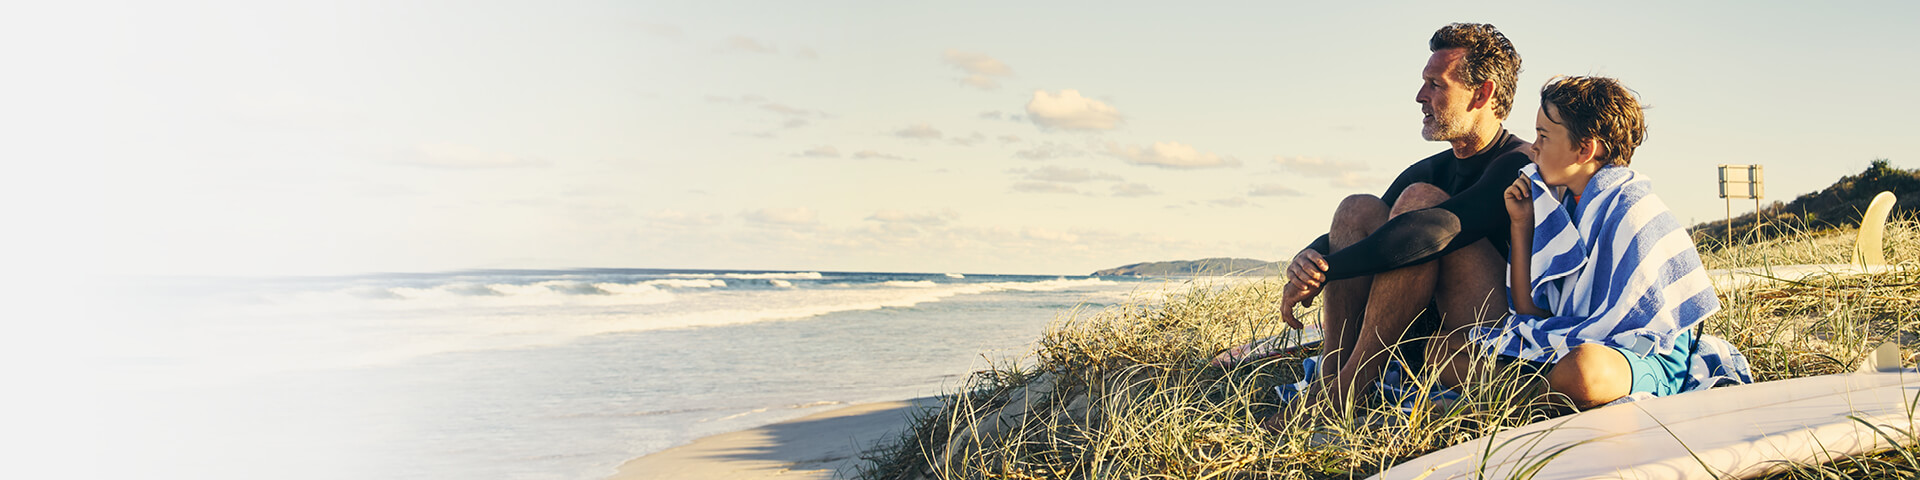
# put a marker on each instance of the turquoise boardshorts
(1661, 374)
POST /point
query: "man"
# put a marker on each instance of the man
(1436, 241)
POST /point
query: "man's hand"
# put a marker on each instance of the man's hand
(1305, 277)
(1295, 294)
(1520, 202)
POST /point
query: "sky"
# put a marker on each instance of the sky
(337, 137)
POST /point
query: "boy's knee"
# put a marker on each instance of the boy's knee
(1591, 375)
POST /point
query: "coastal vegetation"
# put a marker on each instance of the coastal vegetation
(1126, 391)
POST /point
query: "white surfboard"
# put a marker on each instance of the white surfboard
(1729, 432)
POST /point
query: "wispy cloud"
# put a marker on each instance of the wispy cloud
(968, 140)
(683, 219)
(462, 157)
(1133, 190)
(919, 131)
(823, 151)
(1009, 138)
(1356, 180)
(1235, 202)
(660, 30)
(1068, 110)
(740, 43)
(807, 53)
(1052, 173)
(1318, 167)
(1049, 151)
(1169, 155)
(788, 216)
(873, 155)
(1043, 187)
(982, 71)
(1272, 190)
(936, 218)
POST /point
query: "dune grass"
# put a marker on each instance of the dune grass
(1126, 391)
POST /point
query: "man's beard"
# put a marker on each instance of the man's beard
(1444, 128)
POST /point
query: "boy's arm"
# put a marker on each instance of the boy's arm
(1519, 201)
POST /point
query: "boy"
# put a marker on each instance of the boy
(1606, 299)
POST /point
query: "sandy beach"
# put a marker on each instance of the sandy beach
(820, 446)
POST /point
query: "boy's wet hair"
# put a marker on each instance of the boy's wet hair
(1600, 109)
(1490, 58)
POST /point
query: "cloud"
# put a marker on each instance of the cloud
(1235, 202)
(795, 123)
(1356, 180)
(1068, 110)
(932, 219)
(788, 111)
(1049, 151)
(1318, 167)
(683, 219)
(870, 154)
(1043, 187)
(1272, 190)
(807, 53)
(1169, 155)
(993, 115)
(1133, 190)
(1052, 173)
(919, 130)
(796, 216)
(1009, 138)
(969, 140)
(981, 70)
(744, 44)
(462, 157)
(660, 30)
(823, 151)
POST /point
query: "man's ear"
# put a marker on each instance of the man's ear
(1482, 96)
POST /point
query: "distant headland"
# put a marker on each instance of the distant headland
(1196, 268)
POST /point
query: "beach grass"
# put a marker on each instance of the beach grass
(1127, 392)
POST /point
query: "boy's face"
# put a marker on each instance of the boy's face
(1561, 162)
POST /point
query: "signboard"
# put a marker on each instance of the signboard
(1742, 181)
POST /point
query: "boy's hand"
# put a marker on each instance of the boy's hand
(1520, 202)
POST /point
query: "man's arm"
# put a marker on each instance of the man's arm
(1423, 235)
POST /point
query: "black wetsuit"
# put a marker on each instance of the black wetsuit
(1476, 211)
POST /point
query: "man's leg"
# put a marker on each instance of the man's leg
(1472, 292)
(1393, 299)
(1343, 301)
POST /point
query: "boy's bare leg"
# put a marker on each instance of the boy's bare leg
(1393, 300)
(1591, 375)
(1343, 301)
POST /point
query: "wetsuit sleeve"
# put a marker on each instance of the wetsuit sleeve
(1420, 172)
(1423, 235)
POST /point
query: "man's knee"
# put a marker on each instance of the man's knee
(1418, 196)
(1592, 375)
(1358, 216)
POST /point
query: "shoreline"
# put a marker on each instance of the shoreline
(824, 445)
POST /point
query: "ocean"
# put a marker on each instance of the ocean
(561, 374)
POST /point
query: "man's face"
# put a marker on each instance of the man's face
(1555, 153)
(1443, 98)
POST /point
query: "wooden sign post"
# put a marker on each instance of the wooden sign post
(1742, 181)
